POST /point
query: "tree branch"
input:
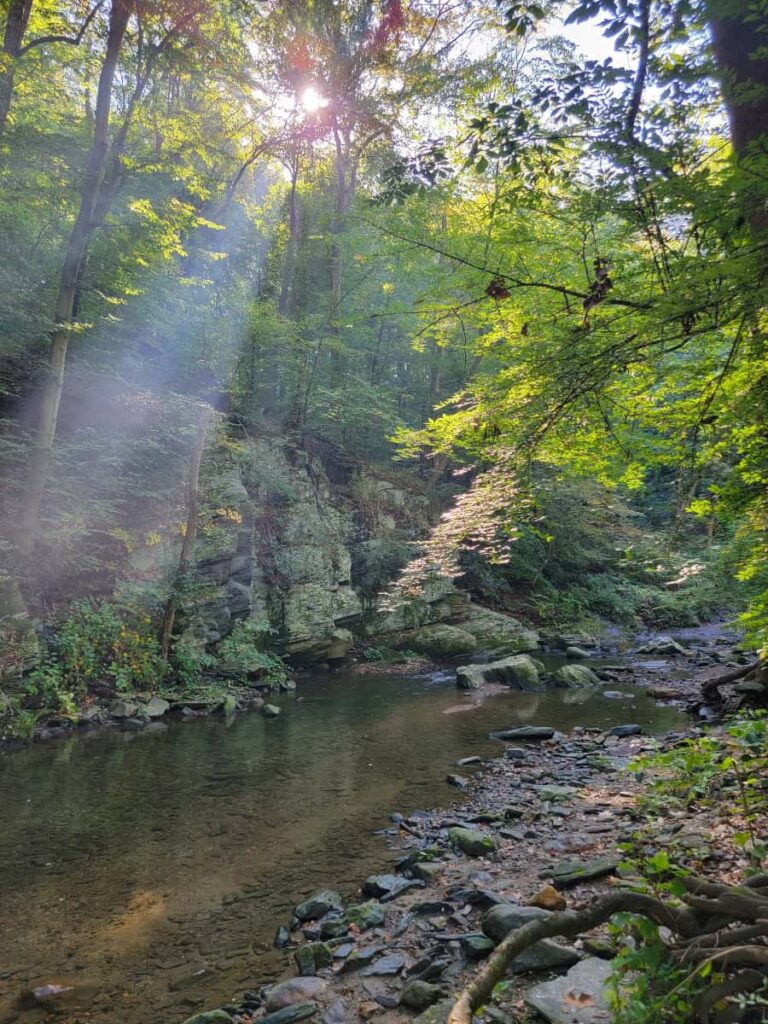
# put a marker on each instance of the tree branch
(72, 40)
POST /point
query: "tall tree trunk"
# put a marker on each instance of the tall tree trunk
(740, 53)
(15, 27)
(190, 533)
(85, 225)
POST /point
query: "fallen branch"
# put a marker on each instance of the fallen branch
(710, 688)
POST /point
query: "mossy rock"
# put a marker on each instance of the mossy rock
(574, 676)
(472, 842)
(438, 641)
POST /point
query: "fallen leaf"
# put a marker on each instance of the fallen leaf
(578, 999)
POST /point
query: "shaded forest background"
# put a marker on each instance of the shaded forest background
(426, 230)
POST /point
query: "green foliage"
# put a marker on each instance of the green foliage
(245, 653)
(188, 663)
(722, 771)
(716, 770)
(101, 644)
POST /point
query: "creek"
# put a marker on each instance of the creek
(150, 869)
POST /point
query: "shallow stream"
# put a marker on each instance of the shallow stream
(150, 869)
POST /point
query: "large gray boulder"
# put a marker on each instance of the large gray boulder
(520, 672)
(438, 641)
(496, 633)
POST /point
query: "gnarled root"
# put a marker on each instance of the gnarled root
(702, 936)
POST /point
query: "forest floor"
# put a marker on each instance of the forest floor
(542, 825)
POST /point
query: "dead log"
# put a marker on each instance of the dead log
(710, 688)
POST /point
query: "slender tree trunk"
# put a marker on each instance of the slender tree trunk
(346, 173)
(15, 27)
(285, 302)
(82, 232)
(190, 533)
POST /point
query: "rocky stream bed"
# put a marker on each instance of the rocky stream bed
(537, 828)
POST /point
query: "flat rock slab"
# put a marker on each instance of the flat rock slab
(576, 998)
(524, 732)
(385, 965)
(575, 871)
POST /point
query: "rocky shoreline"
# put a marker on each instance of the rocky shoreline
(540, 830)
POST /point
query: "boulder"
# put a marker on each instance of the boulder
(496, 633)
(578, 997)
(427, 871)
(575, 676)
(318, 905)
(418, 995)
(155, 707)
(295, 990)
(310, 958)
(456, 780)
(500, 920)
(626, 730)
(438, 641)
(472, 842)
(365, 915)
(270, 711)
(576, 653)
(546, 954)
(339, 645)
(123, 709)
(520, 672)
(662, 645)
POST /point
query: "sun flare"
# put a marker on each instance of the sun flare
(311, 100)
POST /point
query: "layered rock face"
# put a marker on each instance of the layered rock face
(310, 557)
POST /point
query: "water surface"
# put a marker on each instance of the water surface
(152, 868)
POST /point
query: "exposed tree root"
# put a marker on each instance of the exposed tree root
(719, 924)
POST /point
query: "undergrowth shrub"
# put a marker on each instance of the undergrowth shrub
(245, 652)
(100, 644)
(723, 772)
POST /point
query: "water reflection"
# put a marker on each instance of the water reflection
(154, 866)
